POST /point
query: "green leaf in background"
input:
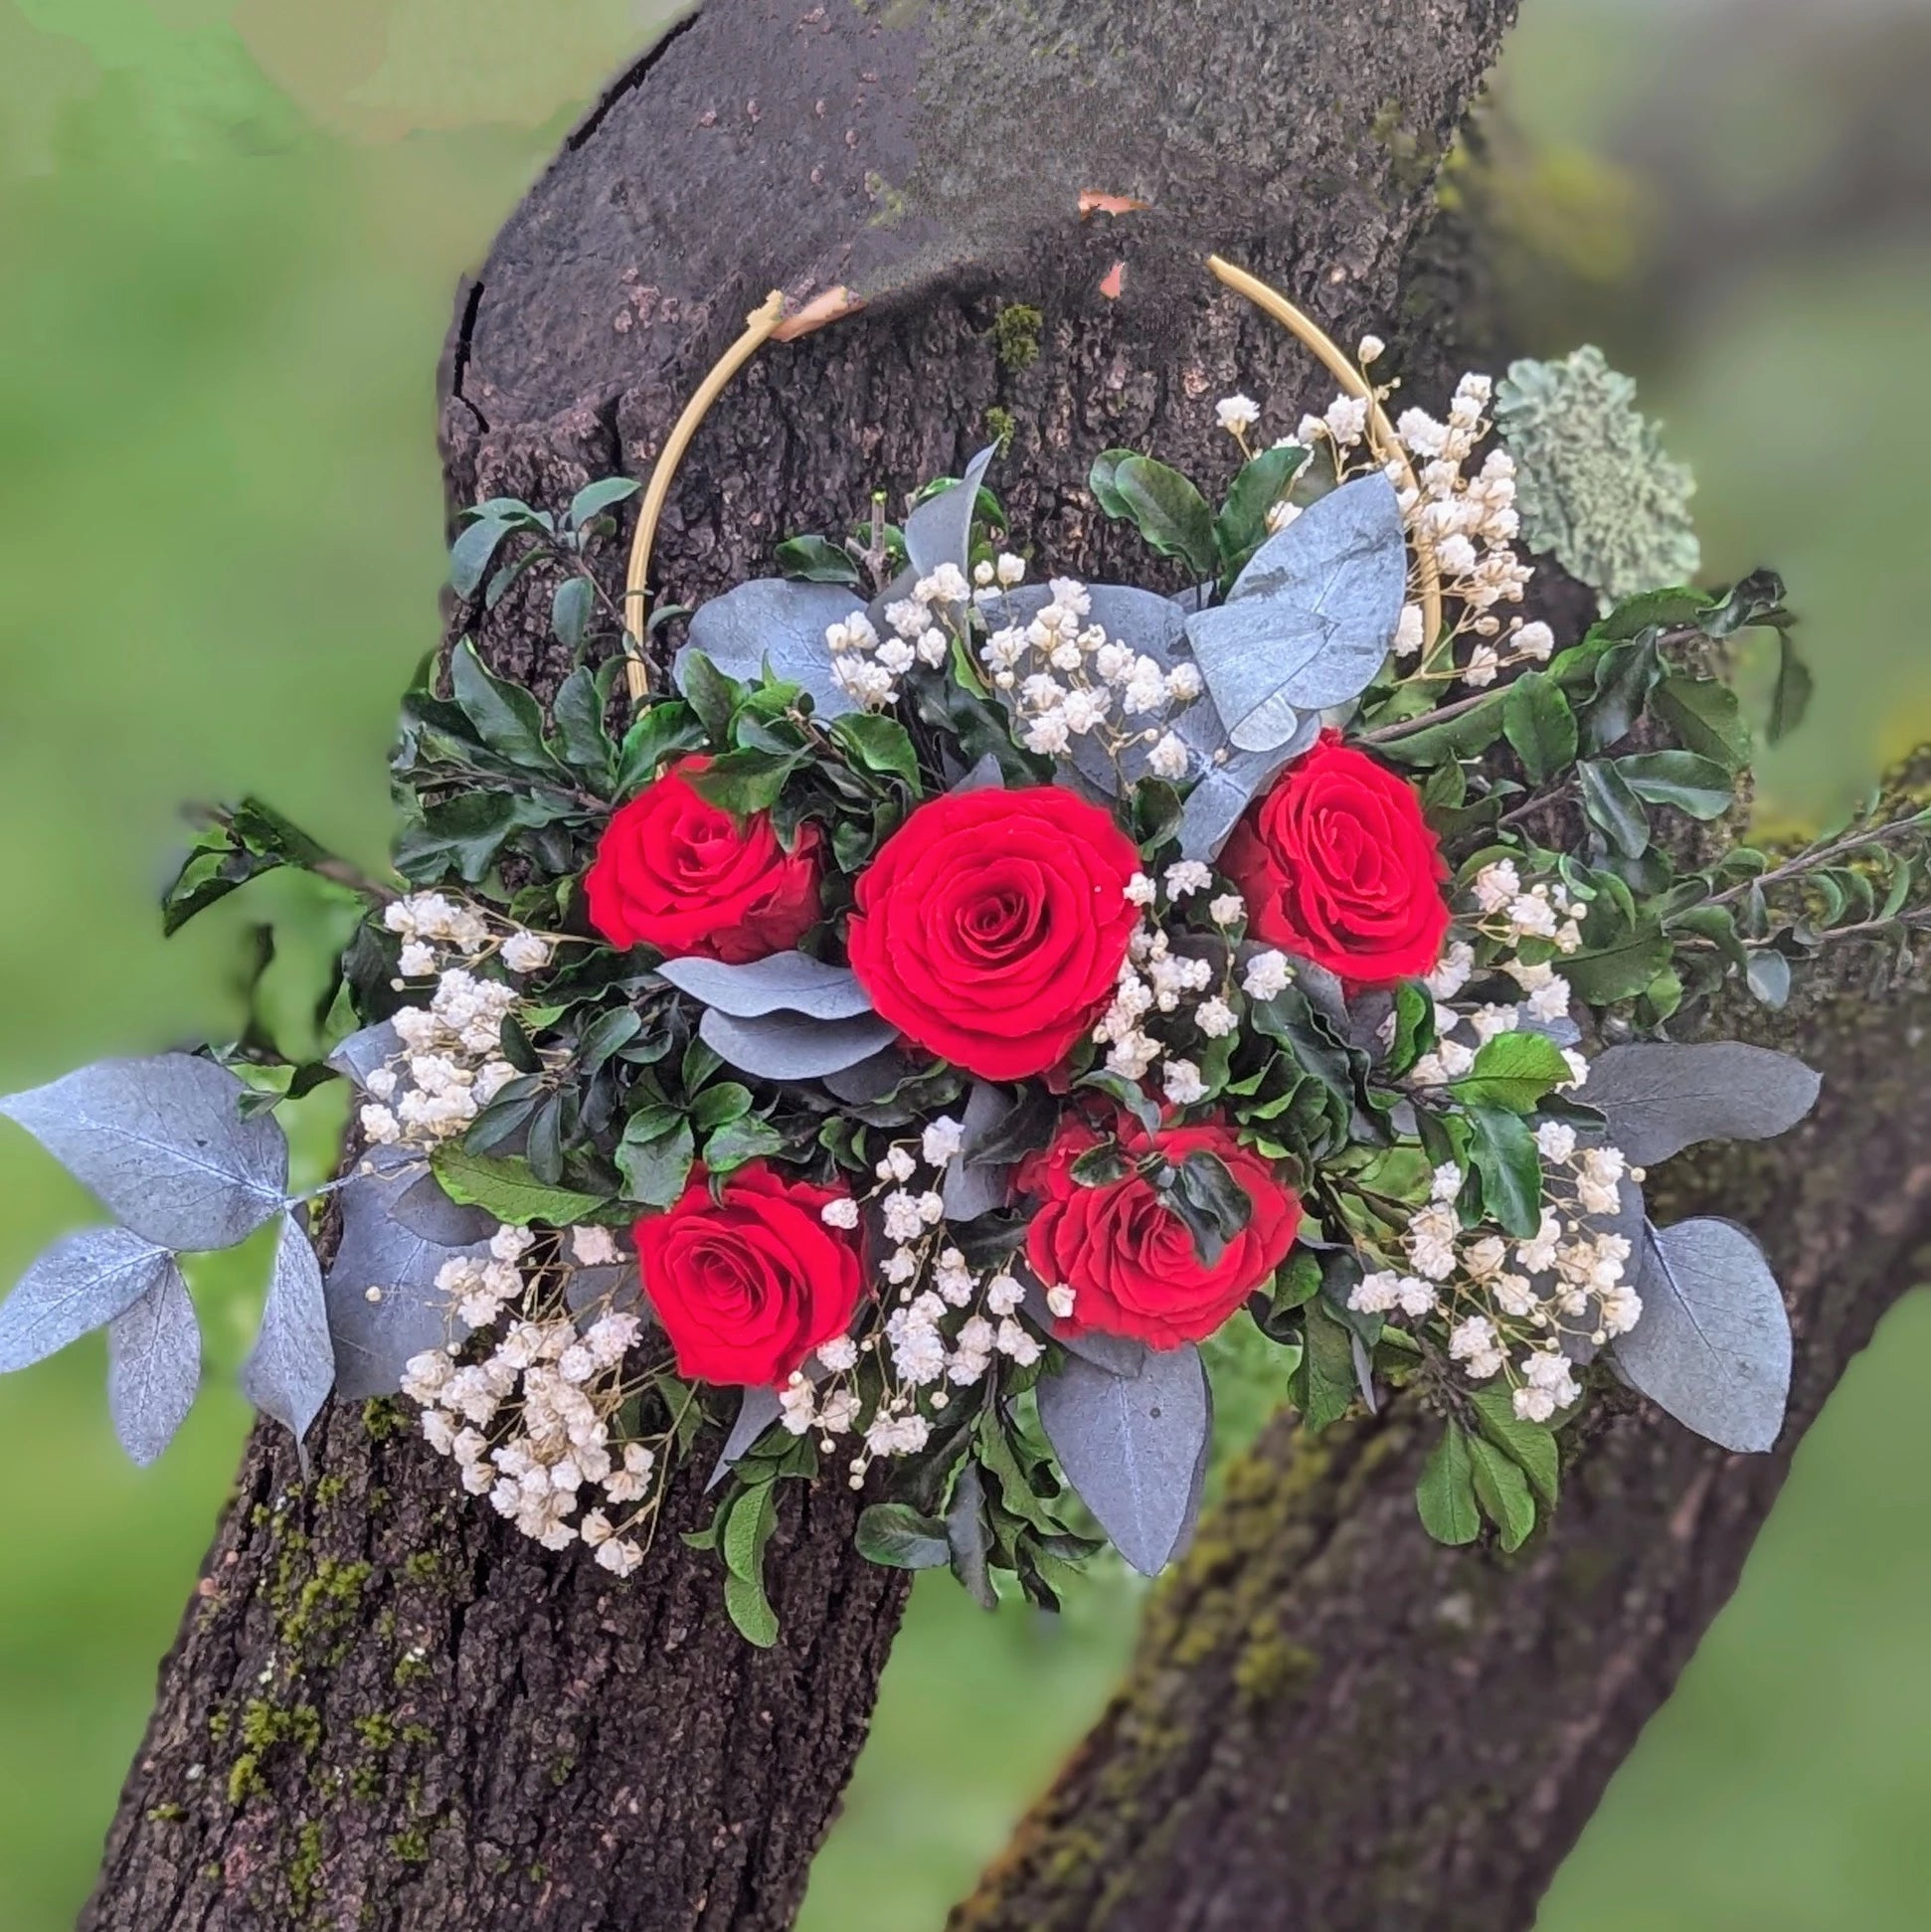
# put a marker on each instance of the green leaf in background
(654, 1158)
(1445, 1495)
(740, 1141)
(1502, 1151)
(1692, 783)
(503, 1185)
(1703, 715)
(467, 835)
(1100, 479)
(895, 1535)
(1502, 1491)
(1241, 527)
(1513, 1071)
(1531, 1445)
(1612, 808)
(578, 711)
(878, 743)
(1539, 723)
(815, 559)
(594, 499)
(666, 731)
(470, 554)
(1619, 970)
(569, 612)
(1791, 696)
(1168, 511)
(506, 717)
(1323, 1385)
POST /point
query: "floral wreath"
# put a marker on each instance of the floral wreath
(961, 1010)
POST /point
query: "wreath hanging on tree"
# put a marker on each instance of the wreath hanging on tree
(919, 1039)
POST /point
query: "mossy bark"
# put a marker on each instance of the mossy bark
(384, 1710)
(1332, 1722)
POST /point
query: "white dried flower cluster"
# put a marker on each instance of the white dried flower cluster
(1167, 996)
(1509, 910)
(1069, 680)
(530, 1419)
(923, 628)
(948, 1324)
(1505, 1306)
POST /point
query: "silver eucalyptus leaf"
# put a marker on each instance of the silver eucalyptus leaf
(1225, 791)
(940, 530)
(1198, 1488)
(374, 1340)
(1130, 1446)
(1309, 620)
(774, 623)
(164, 1146)
(292, 1367)
(982, 777)
(1558, 1027)
(1116, 1354)
(1712, 1345)
(81, 1283)
(784, 983)
(424, 1208)
(788, 1046)
(1660, 1098)
(973, 1187)
(756, 1413)
(364, 1051)
(869, 1081)
(154, 1367)
(607, 1288)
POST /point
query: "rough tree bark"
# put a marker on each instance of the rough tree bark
(1332, 1722)
(382, 1711)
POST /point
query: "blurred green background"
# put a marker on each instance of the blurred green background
(230, 231)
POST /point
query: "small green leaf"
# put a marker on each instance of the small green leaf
(666, 731)
(1790, 697)
(740, 1140)
(815, 559)
(1704, 716)
(1502, 1491)
(1445, 1495)
(1169, 512)
(655, 1160)
(745, 782)
(1531, 1445)
(506, 717)
(710, 694)
(1698, 785)
(1513, 1071)
(578, 710)
(503, 1185)
(1612, 808)
(1322, 1386)
(594, 499)
(470, 554)
(569, 612)
(878, 743)
(747, 1529)
(898, 1536)
(1601, 976)
(1540, 725)
(1502, 1151)
(749, 1609)
(1100, 481)
(720, 1104)
(1241, 527)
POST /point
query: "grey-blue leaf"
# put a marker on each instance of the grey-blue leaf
(154, 1367)
(788, 1046)
(373, 1340)
(424, 1208)
(785, 983)
(973, 1187)
(1130, 1446)
(1712, 1345)
(83, 1282)
(1309, 620)
(756, 1413)
(940, 530)
(774, 623)
(1660, 1098)
(363, 1052)
(292, 1367)
(1116, 1354)
(867, 1083)
(1190, 1520)
(982, 777)
(163, 1145)
(610, 1288)
(1214, 806)
(1560, 1027)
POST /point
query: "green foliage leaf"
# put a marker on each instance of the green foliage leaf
(666, 731)
(579, 715)
(1323, 1385)
(1502, 1151)
(1539, 724)
(1502, 1491)
(1445, 1495)
(503, 1185)
(898, 1536)
(505, 716)
(1703, 715)
(1513, 1071)
(594, 499)
(815, 559)
(570, 610)
(750, 1610)
(1612, 808)
(878, 743)
(1530, 1445)
(1619, 970)
(654, 1158)
(1100, 481)
(1241, 527)
(1168, 511)
(1692, 783)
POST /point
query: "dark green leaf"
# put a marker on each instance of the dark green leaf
(595, 499)
(1703, 715)
(1322, 1386)
(1539, 724)
(1620, 969)
(709, 693)
(655, 1160)
(1612, 808)
(579, 714)
(569, 612)
(665, 731)
(1502, 1151)
(1100, 481)
(1791, 696)
(1168, 511)
(1530, 1445)
(1692, 783)
(898, 1536)
(815, 559)
(470, 554)
(878, 743)
(1445, 1495)
(1502, 1491)
(1260, 483)
(506, 717)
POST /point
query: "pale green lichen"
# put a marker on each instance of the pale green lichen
(1593, 486)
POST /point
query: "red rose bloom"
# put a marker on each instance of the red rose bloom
(676, 872)
(1338, 865)
(749, 1284)
(991, 926)
(1128, 1258)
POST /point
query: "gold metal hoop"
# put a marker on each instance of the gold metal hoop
(771, 320)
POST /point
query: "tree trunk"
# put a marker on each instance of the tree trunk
(384, 1710)
(1332, 1722)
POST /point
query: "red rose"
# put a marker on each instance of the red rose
(991, 926)
(748, 1283)
(1128, 1258)
(676, 872)
(1338, 865)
